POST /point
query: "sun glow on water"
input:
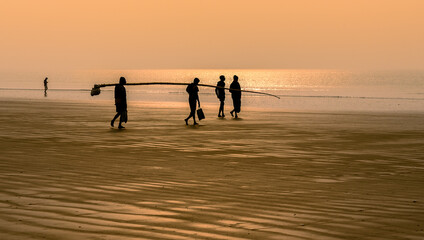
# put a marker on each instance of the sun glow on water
(299, 89)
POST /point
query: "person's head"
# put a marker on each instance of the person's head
(196, 81)
(235, 78)
(122, 81)
(222, 77)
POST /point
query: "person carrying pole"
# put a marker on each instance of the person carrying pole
(220, 94)
(236, 96)
(193, 97)
(120, 103)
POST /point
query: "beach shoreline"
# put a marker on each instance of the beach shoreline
(65, 174)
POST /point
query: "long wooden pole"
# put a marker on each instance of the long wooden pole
(96, 89)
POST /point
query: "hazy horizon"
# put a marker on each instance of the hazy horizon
(48, 35)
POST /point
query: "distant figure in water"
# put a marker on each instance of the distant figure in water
(121, 103)
(193, 97)
(45, 87)
(220, 94)
(236, 96)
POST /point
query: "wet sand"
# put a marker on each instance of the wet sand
(65, 174)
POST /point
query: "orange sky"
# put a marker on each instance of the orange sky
(143, 34)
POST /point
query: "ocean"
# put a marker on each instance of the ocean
(299, 90)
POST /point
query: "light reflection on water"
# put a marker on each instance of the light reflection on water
(299, 89)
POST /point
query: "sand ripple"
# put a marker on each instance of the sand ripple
(277, 176)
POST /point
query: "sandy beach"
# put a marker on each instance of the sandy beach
(329, 144)
(65, 174)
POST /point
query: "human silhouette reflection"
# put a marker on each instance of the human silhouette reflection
(220, 94)
(121, 103)
(193, 97)
(236, 96)
(45, 87)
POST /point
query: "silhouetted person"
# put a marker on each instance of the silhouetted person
(236, 96)
(45, 87)
(193, 97)
(120, 102)
(220, 93)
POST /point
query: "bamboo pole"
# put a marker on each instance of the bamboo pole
(96, 89)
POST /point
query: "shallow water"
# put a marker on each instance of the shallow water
(321, 90)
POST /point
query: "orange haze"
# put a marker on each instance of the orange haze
(137, 34)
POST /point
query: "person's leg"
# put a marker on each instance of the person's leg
(237, 106)
(194, 116)
(120, 121)
(114, 118)
(192, 110)
(221, 109)
(234, 107)
(189, 116)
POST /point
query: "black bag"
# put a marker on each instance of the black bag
(200, 114)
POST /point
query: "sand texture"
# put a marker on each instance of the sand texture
(65, 174)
